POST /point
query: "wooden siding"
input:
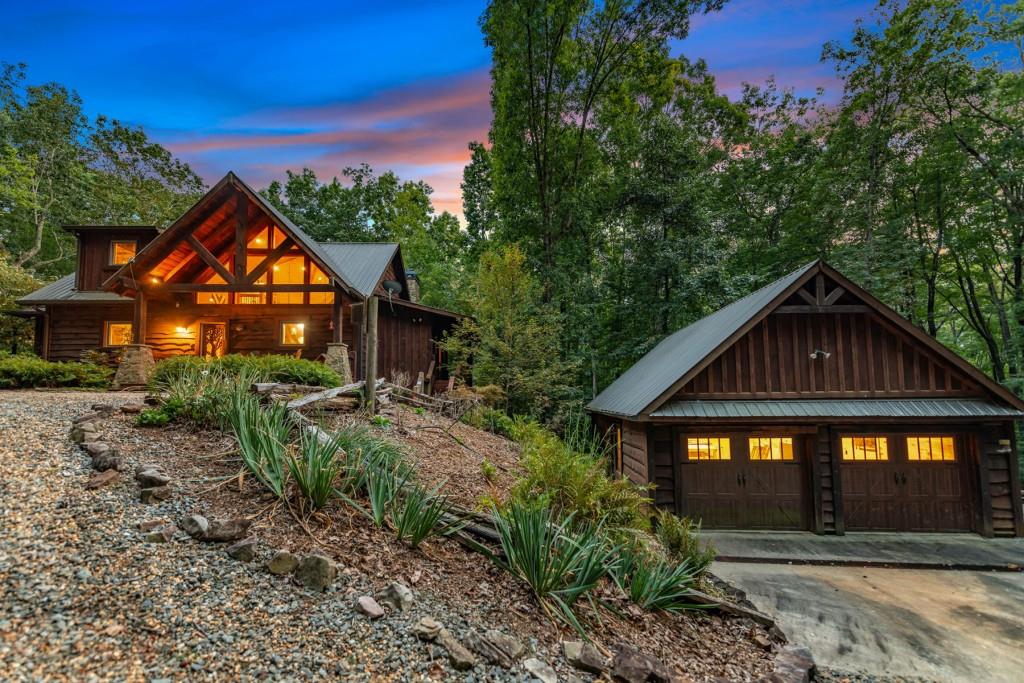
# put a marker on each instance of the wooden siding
(826, 504)
(868, 358)
(75, 328)
(94, 254)
(634, 452)
(1000, 498)
(404, 341)
(664, 461)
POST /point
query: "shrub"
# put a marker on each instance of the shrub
(489, 471)
(199, 395)
(24, 372)
(269, 368)
(653, 582)
(494, 421)
(152, 417)
(262, 435)
(577, 484)
(380, 422)
(681, 540)
(418, 515)
(316, 468)
(559, 561)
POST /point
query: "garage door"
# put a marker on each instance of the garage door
(744, 481)
(904, 482)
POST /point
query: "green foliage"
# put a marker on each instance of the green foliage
(15, 282)
(489, 471)
(380, 422)
(153, 417)
(559, 560)
(25, 372)
(263, 434)
(494, 421)
(577, 484)
(418, 513)
(270, 368)
(680, 537)
(653, 582)
(197, 393)
(316, 467)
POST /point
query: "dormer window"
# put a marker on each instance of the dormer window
(122, 251)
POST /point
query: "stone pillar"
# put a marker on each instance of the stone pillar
(336, 359)
(136, 364)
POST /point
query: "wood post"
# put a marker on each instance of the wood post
(138, 319)
(371, 354)
(241, 235)
(336, 317)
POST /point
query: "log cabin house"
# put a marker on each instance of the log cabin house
(810, 405)
(234, 275)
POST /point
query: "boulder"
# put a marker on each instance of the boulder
(793, 664)
(584, 656)
(94, 448)
(427, 629)
(368, 606)
(244, 550)
(154, 495)
(84, 432)
(540, 670)
(102, 479)
(225, 530)
(632, 666)
(132, 408)
(107, 460)
(149, 466)
(162, 534)
(195, 526)
(496, 647)
(283, 562)
(459, 657)
(104, 409)
(316, 572)
(397, 596)
(150, 478)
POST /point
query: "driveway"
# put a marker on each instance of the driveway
(935, 624)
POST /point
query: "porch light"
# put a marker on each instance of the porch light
(181, 330)
(155, 280)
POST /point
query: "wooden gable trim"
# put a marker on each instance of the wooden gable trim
(209, 258)
(270, 260)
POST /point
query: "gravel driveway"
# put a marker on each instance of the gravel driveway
(84, 598)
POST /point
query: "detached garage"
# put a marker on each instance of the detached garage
(810, 405)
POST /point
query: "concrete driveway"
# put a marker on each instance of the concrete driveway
(940, 625)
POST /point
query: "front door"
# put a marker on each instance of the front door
(213, 339)
(744, 481)
(904, 482)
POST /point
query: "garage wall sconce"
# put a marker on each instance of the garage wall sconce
(818, 353)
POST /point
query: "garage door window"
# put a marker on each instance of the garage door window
(865, 448)
(930, 448)
(771, 448)
(707, 448)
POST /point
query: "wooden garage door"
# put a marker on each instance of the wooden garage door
(904, 482)
(744, 481)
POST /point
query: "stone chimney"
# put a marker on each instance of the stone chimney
(414, 285)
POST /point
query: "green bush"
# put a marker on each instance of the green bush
(152, 417)
(198, 395)
(263, 435)
(24, 372)
(681, 540)
(653, 582)
(489, 471)
(259, 368)
(494, 421)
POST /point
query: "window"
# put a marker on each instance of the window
(865, 448)
(215, 297)
(289, 270)
(293, 334)
(930, 448)
(117, 334)
(318, 277)
(122, 251)
(707, 448)
(251, 298)
(771, 447)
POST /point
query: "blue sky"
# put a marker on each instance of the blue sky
(259, 88)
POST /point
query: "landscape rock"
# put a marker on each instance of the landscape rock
(225, 530)
(104, 409)
(540, 670)
(102, 479)
(84, 432)
(132, 408)
(162, 534)
(793, 664)
(94, 448)
(107, 460)
(397, 596)
(150, 524)
(632, 666)
(90, 417)
(368, 606)
(244, 550)
(155, 495)
(459, 657)
(584, 656)
(427, 629)
(496, 647)
(761, 640)
(144, 467)
(150, 478)
(283, 562)
(316, 572)
(195, 526)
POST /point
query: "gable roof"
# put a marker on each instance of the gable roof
(362, 264)
(652, 380)
(63, 290)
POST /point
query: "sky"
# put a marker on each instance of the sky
(261, 88)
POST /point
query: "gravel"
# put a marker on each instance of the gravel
(85, 598)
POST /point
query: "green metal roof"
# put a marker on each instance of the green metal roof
(677, 354)
(361, 263)
(910, 408)
(63, 291)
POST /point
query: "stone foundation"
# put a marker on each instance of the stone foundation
(336, 359)
(136, 364)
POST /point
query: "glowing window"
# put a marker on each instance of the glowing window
(117, 334)
(318, 277)
(707, 448)
(321, 297)
(279, 236)
(865, 448)
(293, 334)
(771, 448)
(251, 298)
(215, 279)
(260, 240)
(122, 251)
(251, 261)
(930, 448)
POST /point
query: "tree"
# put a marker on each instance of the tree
(15, 281)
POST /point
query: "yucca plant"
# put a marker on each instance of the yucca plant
(417, 515)
(316, 468)
(383, 482)
(653, 582)
(560, 561)
(262, 435)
